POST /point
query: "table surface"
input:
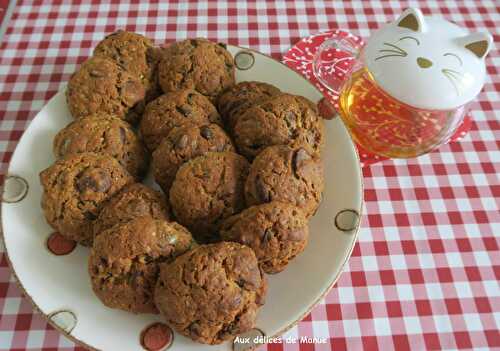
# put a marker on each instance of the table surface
(425, 272)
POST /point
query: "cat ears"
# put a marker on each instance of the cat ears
(413, 19)
(477, 43)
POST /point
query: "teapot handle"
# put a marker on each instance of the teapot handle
(335, 60)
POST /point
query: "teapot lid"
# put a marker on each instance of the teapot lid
(427, 62)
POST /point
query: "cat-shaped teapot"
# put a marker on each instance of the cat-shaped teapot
(408, 88)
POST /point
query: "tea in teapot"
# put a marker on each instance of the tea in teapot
(410, 85)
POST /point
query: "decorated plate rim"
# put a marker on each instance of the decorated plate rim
(354, 234)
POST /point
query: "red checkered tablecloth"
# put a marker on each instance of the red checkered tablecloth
(425, 272)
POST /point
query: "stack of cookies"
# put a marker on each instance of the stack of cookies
(239, 166)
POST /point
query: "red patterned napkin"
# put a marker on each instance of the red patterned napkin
(300, 58)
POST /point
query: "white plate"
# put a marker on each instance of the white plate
(61, 283)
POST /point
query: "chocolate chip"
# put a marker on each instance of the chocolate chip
(148, 258)
(195, 329)
(194, 42)
(181, 142)
(190, 97)
(260, 189)
(206, 132)
(184, 110)
(268, 235)
(95, 180)
(223, 45)
(89, 215)
(254, 146)
(122, 63)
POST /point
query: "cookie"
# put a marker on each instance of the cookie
(174, 110)
(124, 261)
(101, 133)
(196, 64)
(276, 231)
(283, 173)
(211, 293)
(207, 190)
(136, 54)
(183, 144)
(238, 98)
(74, 189)
(282, 120)
(133, 201)
(101, 86)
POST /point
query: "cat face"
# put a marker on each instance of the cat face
(427, 62)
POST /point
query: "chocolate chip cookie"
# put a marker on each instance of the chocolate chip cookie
(211, 293)
(101, 86)
(207, 190)
(286, 174)
(197, 64)
(174, 110)
(276, 231)
(183, 144)
(124, 261)
(133, 201)
(74, 190)
(282, 120)
(238, 98)
(136, 54)
(101, 133)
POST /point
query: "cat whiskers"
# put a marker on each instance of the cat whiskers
(395, 47)
(396, 51)
(455, 78)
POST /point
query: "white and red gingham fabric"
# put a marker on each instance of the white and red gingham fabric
(425, 272)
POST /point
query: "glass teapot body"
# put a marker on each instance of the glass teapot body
(408, 88)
